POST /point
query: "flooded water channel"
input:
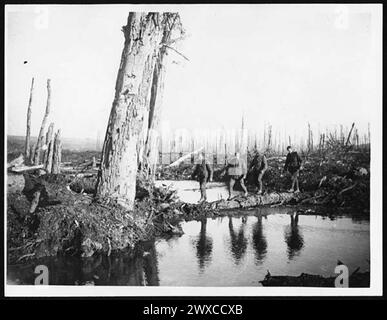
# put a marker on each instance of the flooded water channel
(225, 251)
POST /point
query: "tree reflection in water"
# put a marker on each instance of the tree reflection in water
(259, 241)
(293, 237)
(238, 243)
(138, 268)
(203, 246)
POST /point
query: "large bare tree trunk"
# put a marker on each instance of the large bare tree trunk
(117, 176)
(28, 133)
(130, 135)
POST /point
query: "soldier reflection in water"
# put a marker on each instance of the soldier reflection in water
(259, 241)
(293, 237)
(238, 240)
(203, 246)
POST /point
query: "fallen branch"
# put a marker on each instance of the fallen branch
(176, 52)
(24, 246)
(322, 180)
(347, 189)
(312, 198)
(181, 159)
(27, 168)
(35, 201)
(26, 256)
(211, 185)
(276, 158)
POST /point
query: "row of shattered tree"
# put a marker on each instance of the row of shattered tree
(46, 153)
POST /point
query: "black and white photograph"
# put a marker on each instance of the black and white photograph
(193, 150)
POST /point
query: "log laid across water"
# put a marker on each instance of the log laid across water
(254, 200)
(240, 202)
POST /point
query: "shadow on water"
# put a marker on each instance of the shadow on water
(293, 237)
(203, 246)
(238, 241)
(259, 240)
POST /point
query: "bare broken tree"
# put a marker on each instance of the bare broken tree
(40, 140)
(45, 154)
(49, 136)
(57, 154)
(172, 32)
(28, 133)
(135, 106)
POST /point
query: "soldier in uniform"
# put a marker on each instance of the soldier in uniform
(203, 173)
(292, 165)
(236, 171)
(258, 168)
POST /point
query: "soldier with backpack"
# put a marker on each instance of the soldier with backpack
(236, 171)
(203, 173)
(292, 165)
(258, 168)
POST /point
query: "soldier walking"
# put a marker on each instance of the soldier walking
(203, 173)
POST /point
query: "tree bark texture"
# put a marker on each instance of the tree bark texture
(130, 109)
(149, 156)
(148, 152)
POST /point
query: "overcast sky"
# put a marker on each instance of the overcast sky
(281, 64)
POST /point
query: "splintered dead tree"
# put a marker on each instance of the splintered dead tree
(172, 32)
(27, 148)
(310, 139)
(47, 150)
(49, 134)
(40, 141)
(57, 153)
(128, 125)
